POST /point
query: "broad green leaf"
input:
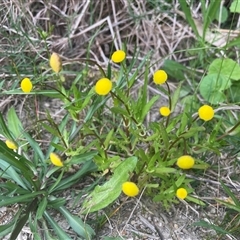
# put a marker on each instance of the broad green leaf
(76, 223)
(211, 87)
(104, 195)
(235, 6)
(23, 218)
(227, 68)
(231, 194)
(223, 15)
(163, 170)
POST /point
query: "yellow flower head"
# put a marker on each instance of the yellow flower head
(130, 189)
(118, 56)
(160, 77)
(181, 193)
(10, 144)
(185, 162)
(56, 160)
(103, 86)
(206, 112)
(164, 111)
(55, 62)
(26, 85)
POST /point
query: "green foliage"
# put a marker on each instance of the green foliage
(33, 183)
(235, 6)
(220, 75)
(111, 138)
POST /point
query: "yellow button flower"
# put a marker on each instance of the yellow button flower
(164, 111)
(160, 77)
(56, 160)
(55, 62)
(26, 85)
(10, 144)
(103, 86)
(181, 193)
(130, 189)
(206, 112)
(118, 56)
(185, 162)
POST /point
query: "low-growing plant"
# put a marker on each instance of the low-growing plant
(105, 132)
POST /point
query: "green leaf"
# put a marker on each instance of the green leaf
(87, 167)
(108, 139)
(12, 174)
(76, 223)
(104, 195)
(164, 135)
(41, 208)
(174, 69)
(209, 15)
(211, 88)
(6, 228)
(195, 200)
(14, 124)
(175, 97)
(83, 157)
(58, 230)
(225, 67)
(145, 109)
(163, 170)
(119, 110)
(235, 6)
(210, 226)
(187, 11)
(230, 194)
(4, 129)
(223, 15)
(20, 199)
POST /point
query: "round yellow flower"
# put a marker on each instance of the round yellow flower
(55, 62)
(103, 86)
(185, 162)
(164, 111)
(181, 193)
(56, 160)
(160, 77)
(130, 189)
(26, 85)
(118, 56)
(206, 112)
(10, 144)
